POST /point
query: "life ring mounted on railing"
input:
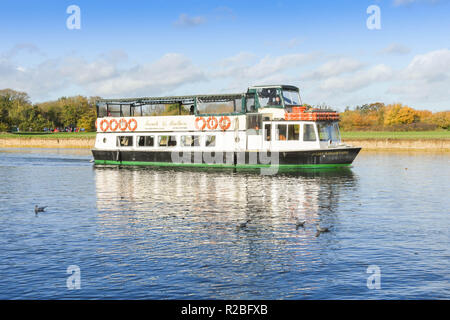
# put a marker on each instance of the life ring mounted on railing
(134, 127)
(224, 123)
(123, 124)
(212, 123)
(113, 124)
(197, 120)
(103, 123)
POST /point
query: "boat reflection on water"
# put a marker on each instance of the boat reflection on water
(217, 199)
(181, 226)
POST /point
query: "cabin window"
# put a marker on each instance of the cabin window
(267, 132)
(269, 97)
(219, 105)
(149, 110)
(308, 133)
(125, 110)
(125, 141)
(190, 141)
(135, 111)
(210, 141)
(250, 103)
(102, 112)
(238, 105)
(254, 123)
(113, 110)
(291, 98)
(293, 131)
(146, 141)
(282, 132)
(328, 131)
(167, 141)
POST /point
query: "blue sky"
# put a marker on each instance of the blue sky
(145, 48)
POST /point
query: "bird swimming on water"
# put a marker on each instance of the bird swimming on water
(299, 224)
(38, 209)
(322, 229)
(243, 225)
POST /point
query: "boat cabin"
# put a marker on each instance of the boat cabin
(263, 118)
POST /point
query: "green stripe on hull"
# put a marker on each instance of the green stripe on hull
(204, 165)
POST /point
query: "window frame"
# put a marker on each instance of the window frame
(191, 135)
(168, 140)
(145, 136)
(313, 130)
(119, 145)
(206, 140)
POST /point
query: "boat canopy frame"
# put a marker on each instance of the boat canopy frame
(133, 106)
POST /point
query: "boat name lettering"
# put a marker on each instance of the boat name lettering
(325, 153)
(156, 124)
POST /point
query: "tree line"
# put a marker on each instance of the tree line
(392, 117)
(17, 112)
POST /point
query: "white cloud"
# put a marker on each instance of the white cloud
(101, 76)
(396, 48)
(432, 66)
(426, 78)
(358, 80)
(223, 13)
(269, 65)
(399, 3)
(403, 2)
(21, 47)
(334, 68)
(169, 72)
(245, 67)
(186, 21)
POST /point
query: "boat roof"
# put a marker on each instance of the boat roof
(189, 99)
(280, 86)
(173, 99)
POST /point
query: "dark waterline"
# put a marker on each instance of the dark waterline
(140, 233)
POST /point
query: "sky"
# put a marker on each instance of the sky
(338, 52)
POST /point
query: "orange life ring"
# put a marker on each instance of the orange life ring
(123, 124)
(203, 123)
(129, 124)
(113, 121)
(102, 127)
(96, 123)
(215, 123)
(224, 123)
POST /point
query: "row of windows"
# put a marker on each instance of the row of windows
(290, 132)
(166, 141)
(283, 132)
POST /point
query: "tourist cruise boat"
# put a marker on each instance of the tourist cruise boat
(267, 126)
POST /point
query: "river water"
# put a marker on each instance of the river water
(141, 233)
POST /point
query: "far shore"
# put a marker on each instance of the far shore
(382, 141)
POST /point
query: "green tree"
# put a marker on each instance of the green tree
(10, 100)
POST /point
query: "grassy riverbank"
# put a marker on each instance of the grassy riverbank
(368, 140)
(84, 140)
(43, 135)
(346, 135)
(397, 135)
